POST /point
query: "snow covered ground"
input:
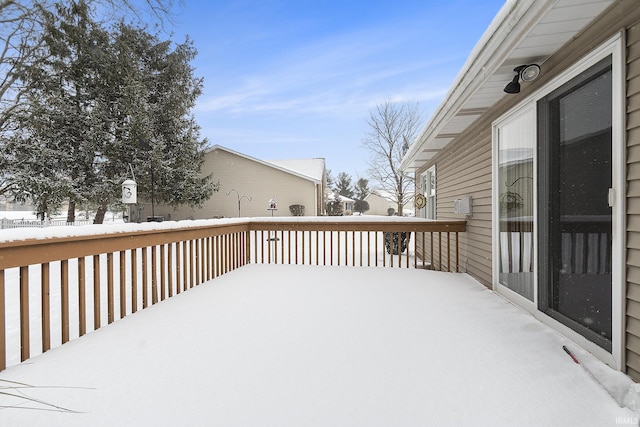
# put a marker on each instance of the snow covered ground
(276, 345)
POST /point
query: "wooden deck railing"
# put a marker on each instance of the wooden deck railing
(56, 289)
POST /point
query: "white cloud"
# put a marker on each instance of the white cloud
(343, 74)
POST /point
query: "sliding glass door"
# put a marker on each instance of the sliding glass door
(575, 219)
(516, 185)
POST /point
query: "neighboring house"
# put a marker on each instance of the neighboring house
(254, 183)
(379, 204)
(380, 201)
(553, 171)
(347, 203)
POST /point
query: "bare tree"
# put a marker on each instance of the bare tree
(392, 127)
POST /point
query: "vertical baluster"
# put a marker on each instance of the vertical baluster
(236, 250)
(170, 270)
(247, 249)
(218, 266)
(145, 279)
(163, 273)
(424, 255)
(64, 299)
(399, 248)
(194, 264)
(353, 248)
(376, 248)
(123, 284)
(448, 252)
(202, 260)
(219, 257)
(408, 246)
(324, 247)
(134, 280)
(24, 314)
(82, 298)
(154, 275)
(96, 292)
(46, 306)
(177, 263)
(457, 254)
(185, 265)
(439, 250)
(431, 256)
(282, 246)
(227, 239)
(415, 249)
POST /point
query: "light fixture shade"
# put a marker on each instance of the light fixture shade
(529, 73)
(513, 86)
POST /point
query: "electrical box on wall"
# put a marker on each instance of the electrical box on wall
(462, 206)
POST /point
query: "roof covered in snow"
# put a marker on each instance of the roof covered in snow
(311, 169)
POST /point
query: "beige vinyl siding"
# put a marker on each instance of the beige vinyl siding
(471, 153)
(633, 203)
(250, 178)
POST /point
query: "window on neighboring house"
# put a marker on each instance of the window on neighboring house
(429, 192)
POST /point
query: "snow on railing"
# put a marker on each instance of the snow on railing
(6, 223)
(59, 284)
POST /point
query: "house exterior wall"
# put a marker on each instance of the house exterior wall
(471, 154)
(379, 205)
(252, 179)
(465, 167)
(633, 203)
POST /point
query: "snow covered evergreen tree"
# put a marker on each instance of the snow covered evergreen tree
(344, 186)
(362, 189)
(101, 103)
(22, 37)
(147, 110)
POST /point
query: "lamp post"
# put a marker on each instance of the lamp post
(239, 198)
(146, 146)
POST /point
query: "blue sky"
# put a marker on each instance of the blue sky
(287, 79)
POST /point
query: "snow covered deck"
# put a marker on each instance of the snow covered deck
(301, 345)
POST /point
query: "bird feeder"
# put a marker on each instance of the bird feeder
(129, 192)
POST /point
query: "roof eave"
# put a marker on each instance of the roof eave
(514, 20)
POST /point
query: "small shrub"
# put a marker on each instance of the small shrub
(296, 210)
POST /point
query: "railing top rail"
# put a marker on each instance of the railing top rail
(82, 243)
(359, 224)
(54, 244)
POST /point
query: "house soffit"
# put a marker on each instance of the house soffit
(529, 43)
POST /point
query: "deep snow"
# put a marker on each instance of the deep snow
(275, 345)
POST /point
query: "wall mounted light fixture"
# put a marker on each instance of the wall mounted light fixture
(526, 73)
